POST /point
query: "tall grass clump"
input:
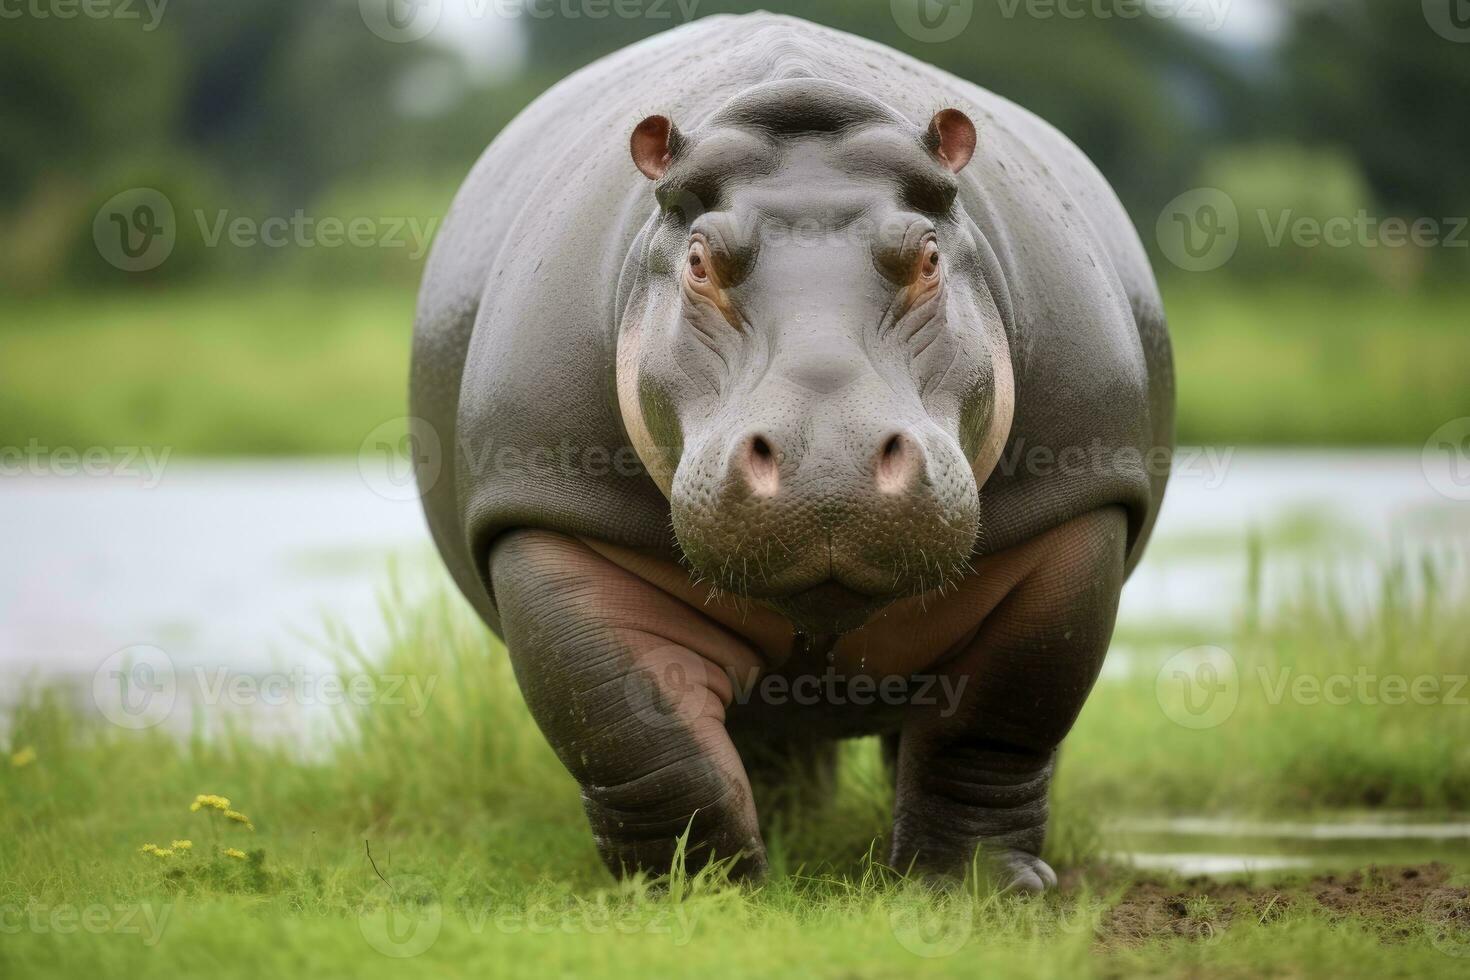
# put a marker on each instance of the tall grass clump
(1341, 696)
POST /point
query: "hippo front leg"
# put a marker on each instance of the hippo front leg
(630, 686)
(974, 772)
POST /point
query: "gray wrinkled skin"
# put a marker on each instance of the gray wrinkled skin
(814, 202)
(813, 428)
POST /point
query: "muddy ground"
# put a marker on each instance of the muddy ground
(1418, 903)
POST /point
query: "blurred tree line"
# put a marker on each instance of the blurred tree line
(266, 107)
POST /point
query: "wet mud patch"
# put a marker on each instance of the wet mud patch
(1427, 901)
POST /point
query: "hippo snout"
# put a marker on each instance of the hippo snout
(895, 466)
(830, 520)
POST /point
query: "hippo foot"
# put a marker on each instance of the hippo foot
(1005, 871)
(1017, 872)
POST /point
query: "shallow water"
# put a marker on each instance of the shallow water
(1372, 827)
(224, 562)
(234, 566)
(1215, 865)
(1214, 845)
(220, 563)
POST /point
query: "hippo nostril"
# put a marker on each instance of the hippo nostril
(898, 463)
(762, 468)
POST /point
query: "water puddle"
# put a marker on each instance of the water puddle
(1388, 827)
(1217, 865)
(1227, 846)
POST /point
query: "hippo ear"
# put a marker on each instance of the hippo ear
(951, 138)
(654, 144)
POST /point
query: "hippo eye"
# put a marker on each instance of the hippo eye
(698, 262)
(929, 261)
(702, 280)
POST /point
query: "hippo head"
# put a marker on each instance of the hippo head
(810, 362)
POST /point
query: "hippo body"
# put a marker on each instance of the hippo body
(821, 395)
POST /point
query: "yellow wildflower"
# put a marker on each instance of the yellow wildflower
(211, 801)
(239, 817)
(234, 852)
(148, 848)
(156, 851)
(24, 757)
(182, 845)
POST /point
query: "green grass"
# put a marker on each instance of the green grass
(282, 368)
(487, 859)
(1319, 706)
(1316, 365)
(264, 370)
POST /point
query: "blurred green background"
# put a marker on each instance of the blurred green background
(1302, 114)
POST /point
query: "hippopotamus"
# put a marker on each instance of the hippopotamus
(772, 388)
